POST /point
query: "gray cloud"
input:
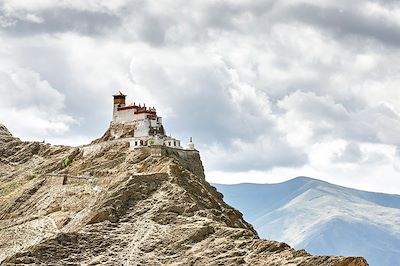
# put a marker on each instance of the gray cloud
(345, 23)
(264, 152)
(377, 124)
(61, 20)
(152, 30)
(201, 92)
(351, 154)
(217, 108)
(30, 103)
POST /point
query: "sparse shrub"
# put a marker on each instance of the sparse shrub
(66, 162)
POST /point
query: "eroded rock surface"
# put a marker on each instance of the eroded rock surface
(4, 131)
(114, 206)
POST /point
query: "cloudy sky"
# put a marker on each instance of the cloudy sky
(269, 90)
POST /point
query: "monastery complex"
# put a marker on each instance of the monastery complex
(140, 126)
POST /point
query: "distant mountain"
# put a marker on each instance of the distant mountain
(322, 218)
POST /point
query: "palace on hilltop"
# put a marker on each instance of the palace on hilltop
(140, 125)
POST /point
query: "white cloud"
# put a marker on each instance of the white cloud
(29, 106)
(24, 88)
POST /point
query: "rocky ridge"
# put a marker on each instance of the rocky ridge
(79, 206)
(4, 133)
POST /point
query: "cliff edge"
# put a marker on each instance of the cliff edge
(116, 206)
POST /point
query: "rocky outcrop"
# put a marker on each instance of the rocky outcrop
(114, 206)
(4, 131)
(117, 131)
(5, 135)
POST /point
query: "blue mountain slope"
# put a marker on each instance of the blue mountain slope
(347, 238)
(322, 218)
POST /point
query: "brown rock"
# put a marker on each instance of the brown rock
(114, 206)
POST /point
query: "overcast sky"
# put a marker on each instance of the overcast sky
(269, 90)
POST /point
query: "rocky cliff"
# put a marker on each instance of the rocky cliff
(110, 205)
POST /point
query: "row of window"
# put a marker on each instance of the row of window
(173, 143)
(167, 143)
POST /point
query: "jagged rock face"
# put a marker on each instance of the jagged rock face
(5, 135)
(4, 131)
(120, 207)
(116, 131)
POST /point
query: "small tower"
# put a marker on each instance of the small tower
(119, 98)
(190, 145)
(119, 101)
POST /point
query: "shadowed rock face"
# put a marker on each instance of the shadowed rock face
(4, 133)
(114, 206)
(4, 130)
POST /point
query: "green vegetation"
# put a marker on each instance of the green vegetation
(67, 161)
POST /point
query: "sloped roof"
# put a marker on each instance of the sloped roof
(119, 94)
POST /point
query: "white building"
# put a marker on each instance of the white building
(146, 120)
(147, 127)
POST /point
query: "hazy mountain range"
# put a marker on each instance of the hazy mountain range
(322, 218)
